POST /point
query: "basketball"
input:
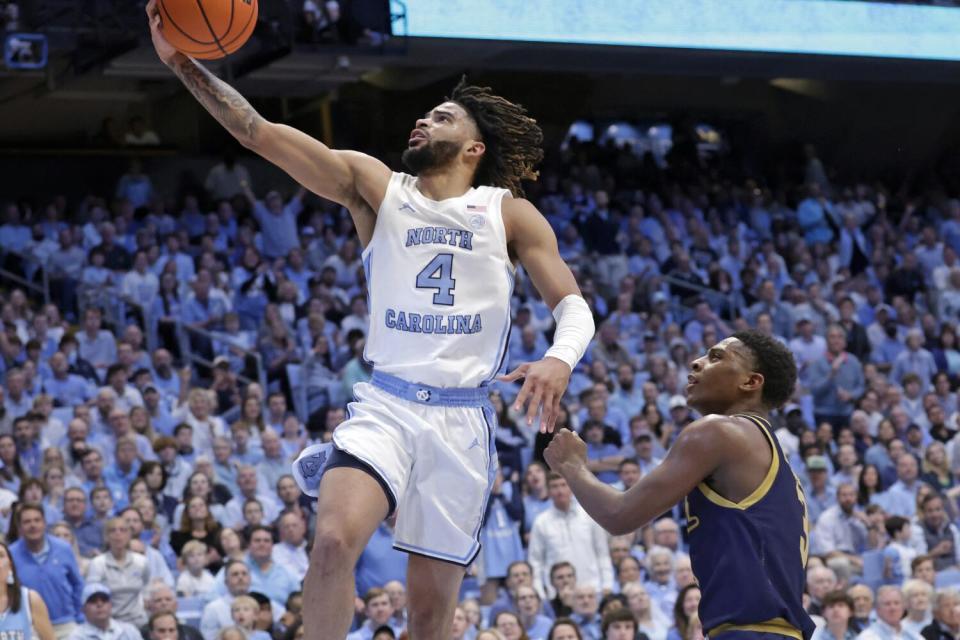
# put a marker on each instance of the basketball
(208, 29)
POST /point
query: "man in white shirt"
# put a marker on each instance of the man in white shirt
(889, 616)
(216, 615)
(291, 551)
(139, 284)
(100, 624)
(564, 532)
(247, 481)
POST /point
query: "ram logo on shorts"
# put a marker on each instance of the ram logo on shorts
(423, 395)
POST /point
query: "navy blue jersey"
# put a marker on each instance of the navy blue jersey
(750, 556)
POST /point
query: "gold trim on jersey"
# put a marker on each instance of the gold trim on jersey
(764, 487)
(776, 625)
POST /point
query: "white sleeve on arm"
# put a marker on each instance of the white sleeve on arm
(574, 332)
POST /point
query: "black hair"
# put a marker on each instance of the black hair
(895, 524)
(775, 363)
(512, 138)
(623, 614)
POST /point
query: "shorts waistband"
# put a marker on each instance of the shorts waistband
(429, 395)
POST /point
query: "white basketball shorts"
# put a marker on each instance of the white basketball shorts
(433, 449)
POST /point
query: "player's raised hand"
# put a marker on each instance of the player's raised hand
(164, 49)
(544, 382)
(566, 452)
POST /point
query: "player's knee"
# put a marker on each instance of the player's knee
(332, 549)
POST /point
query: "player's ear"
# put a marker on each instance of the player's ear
(753, 382)
(475, 149)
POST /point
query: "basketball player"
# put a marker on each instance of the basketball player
(440, 253)
(745, 509)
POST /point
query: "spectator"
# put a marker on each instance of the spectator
(660, 584)
(247, 481)
(841, 527)
(650, 619)
(88, 533)
(244, 611)
(135, 186)
(821, 580)
(901, 498)
(225, 179)
(161, 626)
(586, 611)
(619, 624)
(945, 624)
(156, 563)
(216, 614)
(138, 135)
(941, 538)
(195, 580)
(378, 612)
(563, 579)
(100, 623)
(197, 523)
(159, 600)
(890, 612)
(47, 565)
(836, 380)
(528, 606)
(688, 599)
(922, 569)
(837, 612)
(278, 222)
(862, 597)
(898, 554)
(779, 312)
(584, 544)
(95, 344)
(291, 552)
(918, 596)
(124, 572)
(266, 576)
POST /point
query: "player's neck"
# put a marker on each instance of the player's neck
(748, 407)
(444, 184)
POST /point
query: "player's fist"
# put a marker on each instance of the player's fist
(164, 49)
(566, 453)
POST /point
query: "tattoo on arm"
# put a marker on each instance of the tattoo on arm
(222, 101)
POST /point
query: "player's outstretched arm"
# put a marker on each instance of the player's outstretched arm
(533, 242)
(341, 176)
(696, 454)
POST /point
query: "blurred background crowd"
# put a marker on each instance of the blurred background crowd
(191, 347)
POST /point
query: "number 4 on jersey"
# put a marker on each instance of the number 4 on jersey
(438, 274)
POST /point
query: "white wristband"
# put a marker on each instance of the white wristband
(574, 332)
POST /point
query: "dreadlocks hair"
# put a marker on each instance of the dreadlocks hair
(512, 138)
(775, 362)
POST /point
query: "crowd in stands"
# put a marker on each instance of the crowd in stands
(146, 489)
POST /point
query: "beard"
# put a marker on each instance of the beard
(430, 156)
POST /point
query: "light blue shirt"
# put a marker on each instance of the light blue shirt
(279, 231)
(899, 500)
(276, 583)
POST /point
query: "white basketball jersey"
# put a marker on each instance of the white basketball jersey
(439, 281)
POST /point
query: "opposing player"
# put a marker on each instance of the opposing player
(440, 255)
(745, 509)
